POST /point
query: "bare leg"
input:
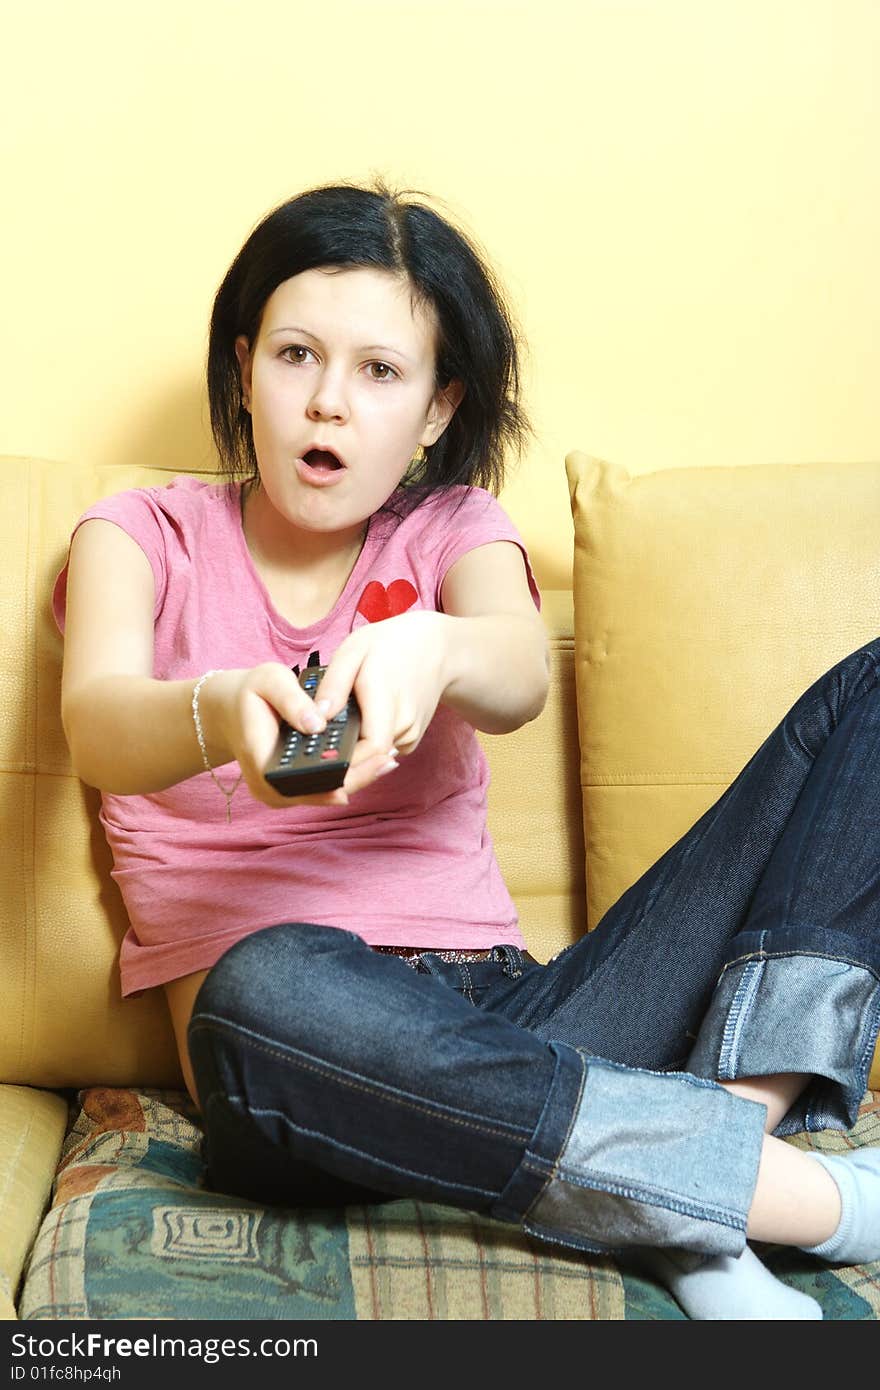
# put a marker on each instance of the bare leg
(777, 1092)
(796, 1200)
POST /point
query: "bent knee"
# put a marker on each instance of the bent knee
(286, 981)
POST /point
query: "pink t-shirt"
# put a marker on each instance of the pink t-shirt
(408, 861)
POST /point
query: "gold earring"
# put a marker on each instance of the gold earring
(419, 456)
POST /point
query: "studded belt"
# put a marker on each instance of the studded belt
(412, 954)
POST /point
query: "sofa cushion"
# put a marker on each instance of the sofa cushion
(129, 1197)
(706, 600)
(132, 1233)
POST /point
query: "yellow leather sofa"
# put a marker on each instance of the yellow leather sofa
(704, 600)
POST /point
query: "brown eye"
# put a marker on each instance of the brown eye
(387, 372)
(295, 348)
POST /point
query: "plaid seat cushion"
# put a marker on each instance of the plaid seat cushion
(133, 1234)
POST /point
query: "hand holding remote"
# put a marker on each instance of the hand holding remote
(397, 669)
(304, 763)
(241, 711)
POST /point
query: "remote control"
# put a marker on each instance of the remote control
(306, 763)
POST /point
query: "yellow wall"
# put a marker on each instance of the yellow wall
(682, 196)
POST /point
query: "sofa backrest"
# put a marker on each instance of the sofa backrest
(63, 1022)
(706, 601)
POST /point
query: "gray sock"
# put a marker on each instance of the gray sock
(857, 1239)
(721, 1287)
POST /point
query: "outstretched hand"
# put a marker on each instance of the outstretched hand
(396, 669)
(243, 709)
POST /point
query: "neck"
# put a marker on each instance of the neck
(275, 543)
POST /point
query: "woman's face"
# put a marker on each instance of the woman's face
(343, 362)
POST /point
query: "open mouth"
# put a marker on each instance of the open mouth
(322, 461)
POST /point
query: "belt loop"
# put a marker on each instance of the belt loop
(511, 960)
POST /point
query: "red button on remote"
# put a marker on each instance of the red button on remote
(330, 753)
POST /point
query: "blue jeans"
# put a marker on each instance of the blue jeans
(579, 1099)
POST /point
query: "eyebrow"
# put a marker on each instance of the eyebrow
(367, 347)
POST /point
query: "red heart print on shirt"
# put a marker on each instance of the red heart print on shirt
(377, 602)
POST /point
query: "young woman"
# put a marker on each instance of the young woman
(356, 1013)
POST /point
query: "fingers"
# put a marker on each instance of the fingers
(266, 694)
(273, 692)
(280, 687)
(390, 683)
(368, 767)
(348, 669)
(339, 678)
(365, 768)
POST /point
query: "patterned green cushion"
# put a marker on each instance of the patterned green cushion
(132, 1233)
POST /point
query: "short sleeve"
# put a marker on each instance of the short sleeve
(136, 513)
(465, 519)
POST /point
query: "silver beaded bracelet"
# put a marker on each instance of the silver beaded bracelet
(228, 792)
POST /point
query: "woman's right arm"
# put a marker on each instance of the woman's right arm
(127, 732)
(131, 734)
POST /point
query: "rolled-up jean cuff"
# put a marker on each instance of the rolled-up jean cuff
(649, 1158)
(549, 1138)
(779, 1006)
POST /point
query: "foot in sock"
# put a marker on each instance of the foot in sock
(722, 1287)
(857, 1238)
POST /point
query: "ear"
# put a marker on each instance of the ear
(441, 411)
(245, 366)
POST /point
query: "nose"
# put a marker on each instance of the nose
(329, 400)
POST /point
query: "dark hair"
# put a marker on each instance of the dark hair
(342, 225)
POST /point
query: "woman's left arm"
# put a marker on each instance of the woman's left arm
(484, 655)
(496, 650)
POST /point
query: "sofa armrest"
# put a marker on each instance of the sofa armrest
(32, 1128)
